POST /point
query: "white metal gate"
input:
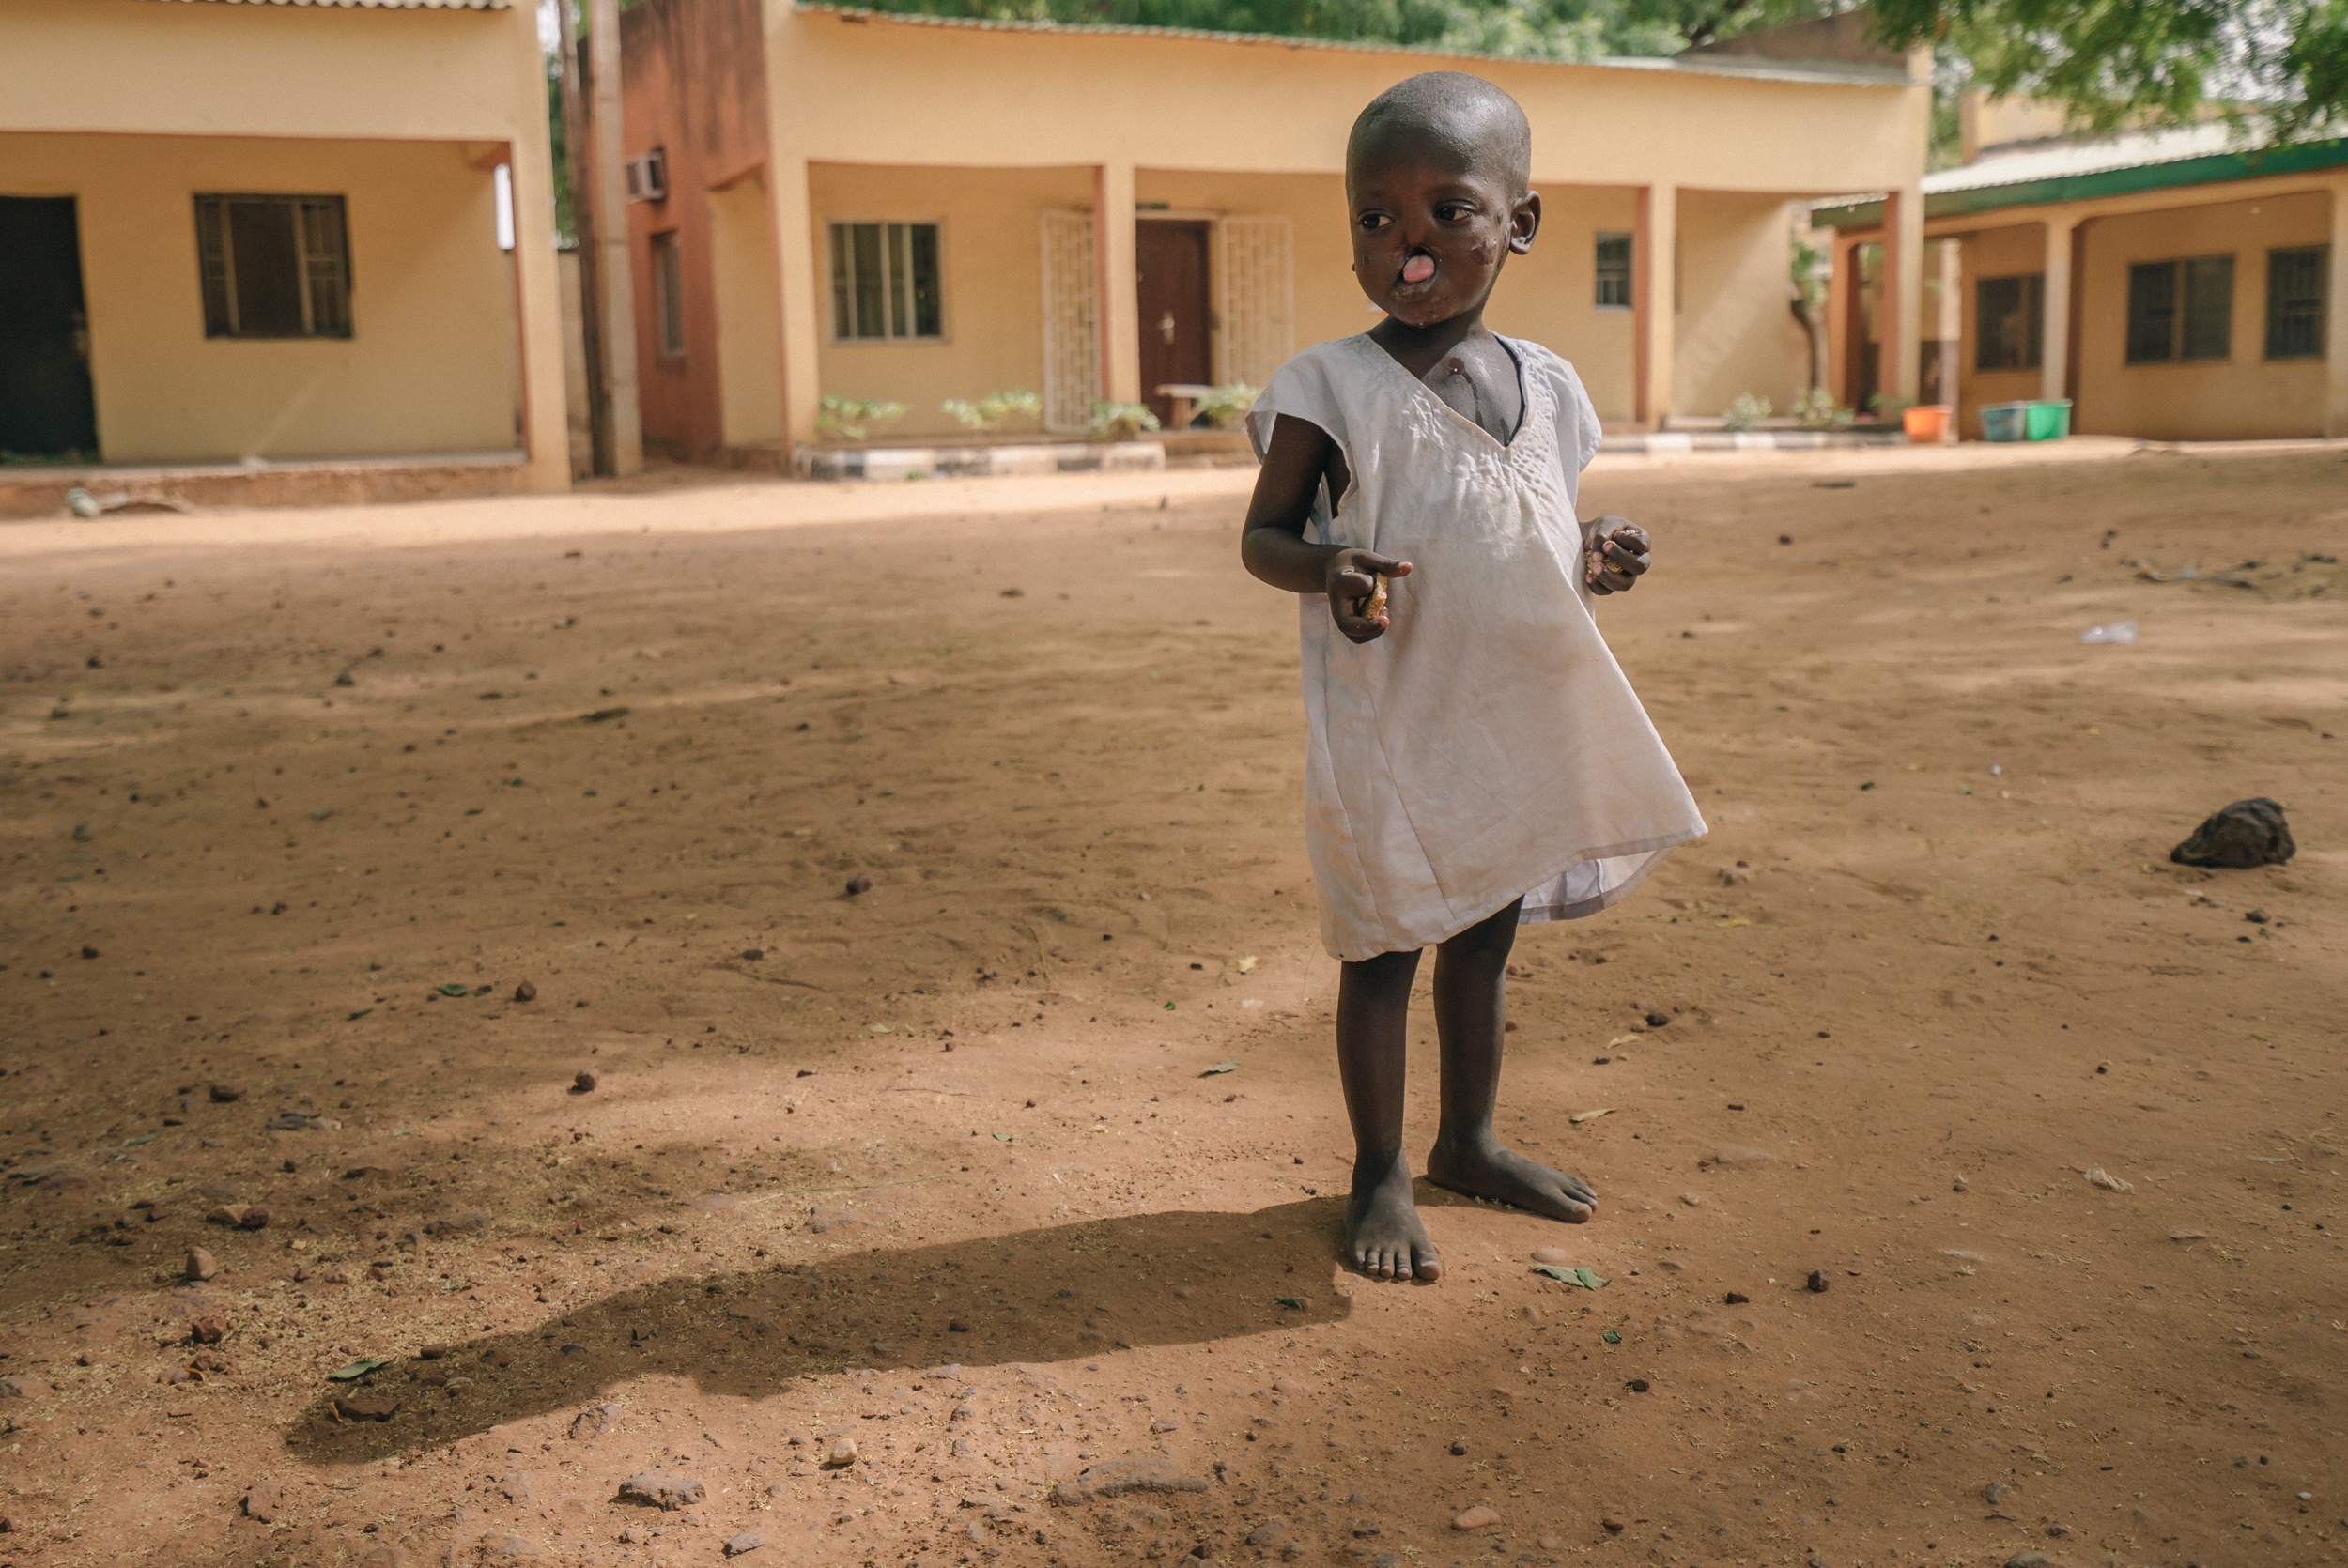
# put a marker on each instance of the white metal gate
(1256, 284)
(1071, 334)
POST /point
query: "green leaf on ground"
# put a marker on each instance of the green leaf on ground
(356, 1370)
(1289, 1302)
(1220, 1067)
(454, 990)
(1002, 1137)
(353, 1018)
(1611, 1337)
(1586, 1279)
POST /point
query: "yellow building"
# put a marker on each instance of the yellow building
(2169, 284)
(267, 233)
(873, 206)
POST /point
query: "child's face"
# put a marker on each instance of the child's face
(1431, 226)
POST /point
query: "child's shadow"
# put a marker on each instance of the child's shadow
(1070, 1293)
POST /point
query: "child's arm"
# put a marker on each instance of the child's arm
(1619, 549)
(1272, 542)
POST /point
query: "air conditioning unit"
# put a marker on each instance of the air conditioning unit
(648, 177)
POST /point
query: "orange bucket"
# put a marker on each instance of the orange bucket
(1927, 423)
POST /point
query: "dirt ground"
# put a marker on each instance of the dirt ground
(1021, 1168)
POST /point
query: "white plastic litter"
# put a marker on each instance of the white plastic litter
(2119, 631)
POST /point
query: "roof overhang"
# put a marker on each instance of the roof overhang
(1866, 211)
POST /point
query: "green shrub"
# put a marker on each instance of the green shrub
(1226, 406)
(850, 417)
(1816, 410)
(1121, 422)
(1746, 411)
(993, 409)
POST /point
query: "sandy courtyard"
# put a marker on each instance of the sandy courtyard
(988, 1214)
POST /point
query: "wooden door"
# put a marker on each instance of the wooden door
(1175, 345)
(46, 407)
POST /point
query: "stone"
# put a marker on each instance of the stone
(584, 1082)
(749, 1540)
(1548, 1542)
(2028, 1559)
(1657, 1020)
(1614, 1525)
(859, 883)
(2244, 834)
(207, 1330)
(1458, 1449)
(1271, 1532)
(1478, 1517)
(1737, 1298)
(1556, 1257)
(664, 1489)
(515, 1487)
(1112, 1478)
(1691, 1200)
(223, 1095)
(525, 992)
(1996, 1493)
(365, 1406)
(1285, 1386)
(504, 1547)
(263, 1501)
(201, 1265)
(1817, 1282)
(842, 1454)
(590, 1425)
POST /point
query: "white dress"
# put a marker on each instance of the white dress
(1488, 747)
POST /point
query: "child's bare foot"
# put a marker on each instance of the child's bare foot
(1486, 1169)
(1383, 1238)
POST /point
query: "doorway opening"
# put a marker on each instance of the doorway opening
(47, 408)
(1176, 296)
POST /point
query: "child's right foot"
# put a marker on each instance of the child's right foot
(1383, 1238)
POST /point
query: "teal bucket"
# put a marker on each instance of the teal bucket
(2005, 422)
(2047, 420)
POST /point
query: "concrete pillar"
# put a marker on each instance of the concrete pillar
(2336, 321)
(800, 281)
(1949, 323)
(1118, 285)
(538, 283)
(2054, 338)
(1903, 311)
(616, 306)
(1654, 302)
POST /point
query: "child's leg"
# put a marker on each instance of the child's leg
(1382, 1234)
(1470, 1004)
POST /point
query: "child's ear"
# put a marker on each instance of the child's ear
(1524, 221)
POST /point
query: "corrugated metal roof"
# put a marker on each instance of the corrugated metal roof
(2060, 160)
(1746, 67)
(373, 5)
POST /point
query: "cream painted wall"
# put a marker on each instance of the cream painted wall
(1550, 295)
(429, 366)
(2015, 250)
(750, 334)
(1736, 328)
(2245, 395)
(991, 241)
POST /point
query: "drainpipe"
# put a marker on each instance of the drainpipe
(616, 303)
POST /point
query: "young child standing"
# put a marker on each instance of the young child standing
(1477, 758)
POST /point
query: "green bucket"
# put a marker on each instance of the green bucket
(2047, 420)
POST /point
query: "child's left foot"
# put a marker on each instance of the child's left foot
(1490, 1171)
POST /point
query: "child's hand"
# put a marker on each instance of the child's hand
(1352, 579)
(1618, 558)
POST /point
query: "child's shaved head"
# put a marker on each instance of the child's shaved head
(1463, 113)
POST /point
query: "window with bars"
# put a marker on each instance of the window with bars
(2010, 319)
(2181, 310)
(274, 266)
(667, 295)
(1614, 272)
(2294, 301)
(886, 282)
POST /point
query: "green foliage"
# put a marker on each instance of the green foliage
(1121, 422)
(1888, 406)
(1226, 406)
(993, 409)
(1746, 411)
(2115, 63)
(850, 417)
(1816, 410)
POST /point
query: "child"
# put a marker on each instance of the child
(1472, 738)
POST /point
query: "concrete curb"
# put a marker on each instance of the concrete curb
(894, 464)
(1674, 443)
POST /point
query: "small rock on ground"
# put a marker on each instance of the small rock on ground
(749, 1540)
(262, 1502)
(664, 1489)
(1478, 1517)
(201, 1264)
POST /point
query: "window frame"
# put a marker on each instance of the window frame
(2179, 310)
(832, 226)
(667, 295)
(1603, 271)
(2031, 303)
(2321, 255)
(216, 265)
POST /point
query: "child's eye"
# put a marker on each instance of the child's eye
(1375, 221)
(1451, 212)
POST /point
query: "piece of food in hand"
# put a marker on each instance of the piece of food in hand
(1597, 562)
(1371, 608)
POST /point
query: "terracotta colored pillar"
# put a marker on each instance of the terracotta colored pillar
(1120, 281)
(1654, 303)
(1902, 314)
(2054, 334)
